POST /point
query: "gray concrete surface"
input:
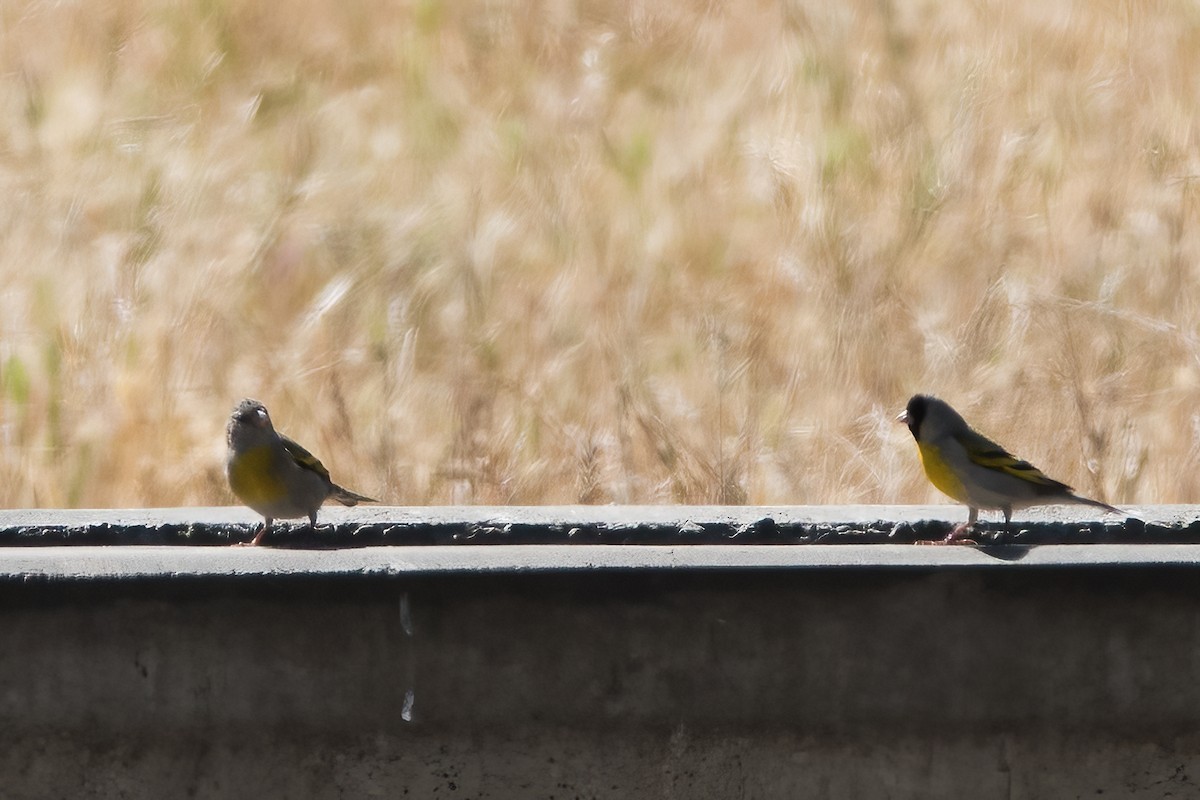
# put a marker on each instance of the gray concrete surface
(598, 671)
(85, 563)
(647, 525)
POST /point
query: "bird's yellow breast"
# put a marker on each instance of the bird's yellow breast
(253, 478)
(939, 472)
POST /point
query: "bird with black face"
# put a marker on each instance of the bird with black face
(976, 471)
(272, 474)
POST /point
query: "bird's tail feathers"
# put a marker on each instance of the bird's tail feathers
(349, 498)
(1087, 501)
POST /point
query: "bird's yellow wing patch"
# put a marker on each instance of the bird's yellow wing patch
(939, 472)
(304, 458)
(986, 453)
(253, 478)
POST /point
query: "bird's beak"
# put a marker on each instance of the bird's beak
(902, 416)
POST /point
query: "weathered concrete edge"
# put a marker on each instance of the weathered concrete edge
(85, 563)
(593, 525)
(580, 515)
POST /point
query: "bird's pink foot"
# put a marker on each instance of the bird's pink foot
(957, 535)
(255, 541)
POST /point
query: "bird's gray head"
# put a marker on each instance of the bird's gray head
(927, 417)
(249, 424)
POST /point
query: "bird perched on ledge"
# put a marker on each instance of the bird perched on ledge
(272, 474)
(976, 471)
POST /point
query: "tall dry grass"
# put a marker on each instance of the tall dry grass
(510, 252)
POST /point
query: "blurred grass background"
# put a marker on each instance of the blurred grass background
(601, 251)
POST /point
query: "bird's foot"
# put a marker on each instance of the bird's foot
(957, 535)
(255, 541)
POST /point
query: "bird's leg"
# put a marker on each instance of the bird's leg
(266, 526)
(263, 532)
(312, 519)
(958, 534)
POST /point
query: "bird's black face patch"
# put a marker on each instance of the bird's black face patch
(914, 414)
(252, 412)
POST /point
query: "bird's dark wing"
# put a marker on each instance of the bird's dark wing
(304, 458)
(986, 453)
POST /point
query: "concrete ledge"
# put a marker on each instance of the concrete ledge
(701, 670)
(142, 563)
(645, 525)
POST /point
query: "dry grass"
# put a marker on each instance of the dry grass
(601, 252)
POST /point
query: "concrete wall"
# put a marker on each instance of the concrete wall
(926, 678)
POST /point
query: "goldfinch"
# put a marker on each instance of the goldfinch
(272, 474)
(976, 471)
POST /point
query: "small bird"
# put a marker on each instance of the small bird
(976, 471)
(272, 474)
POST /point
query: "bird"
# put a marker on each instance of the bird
(274, 475)
(974, 470)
